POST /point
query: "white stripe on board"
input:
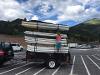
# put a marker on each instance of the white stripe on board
(87, 70)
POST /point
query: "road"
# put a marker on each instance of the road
(84, 62)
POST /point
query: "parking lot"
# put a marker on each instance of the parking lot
(84, 62)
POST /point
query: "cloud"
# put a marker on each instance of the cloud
(34, 18)
(44, 9)
(51, 21)
(10, 10)
(71, 13)
(76, 10)
(78, 13)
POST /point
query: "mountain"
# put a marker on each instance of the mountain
(11, 28)
(93, 22)
(88, 31)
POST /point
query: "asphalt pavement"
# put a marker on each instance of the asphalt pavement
(84, 62)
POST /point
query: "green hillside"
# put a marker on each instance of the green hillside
(88, 31)
(93, 22)
(12, 28)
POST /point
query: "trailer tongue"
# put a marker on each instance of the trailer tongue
(41, 43)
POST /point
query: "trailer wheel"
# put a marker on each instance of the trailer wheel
(52, 63)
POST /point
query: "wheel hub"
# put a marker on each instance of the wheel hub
(52, 64)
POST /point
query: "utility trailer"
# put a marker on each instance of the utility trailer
(41, 43)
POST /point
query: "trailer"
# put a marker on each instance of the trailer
(41, 43)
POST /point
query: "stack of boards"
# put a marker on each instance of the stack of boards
(42, 38)
(45, 26)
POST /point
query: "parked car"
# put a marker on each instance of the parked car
(6, 52)
(17, 47)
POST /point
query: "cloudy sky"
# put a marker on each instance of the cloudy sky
(68, 12)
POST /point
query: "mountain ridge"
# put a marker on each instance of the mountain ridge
(87, 31)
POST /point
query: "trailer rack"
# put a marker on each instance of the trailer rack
(41, 43)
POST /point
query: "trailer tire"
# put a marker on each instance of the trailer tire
(52, 63)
